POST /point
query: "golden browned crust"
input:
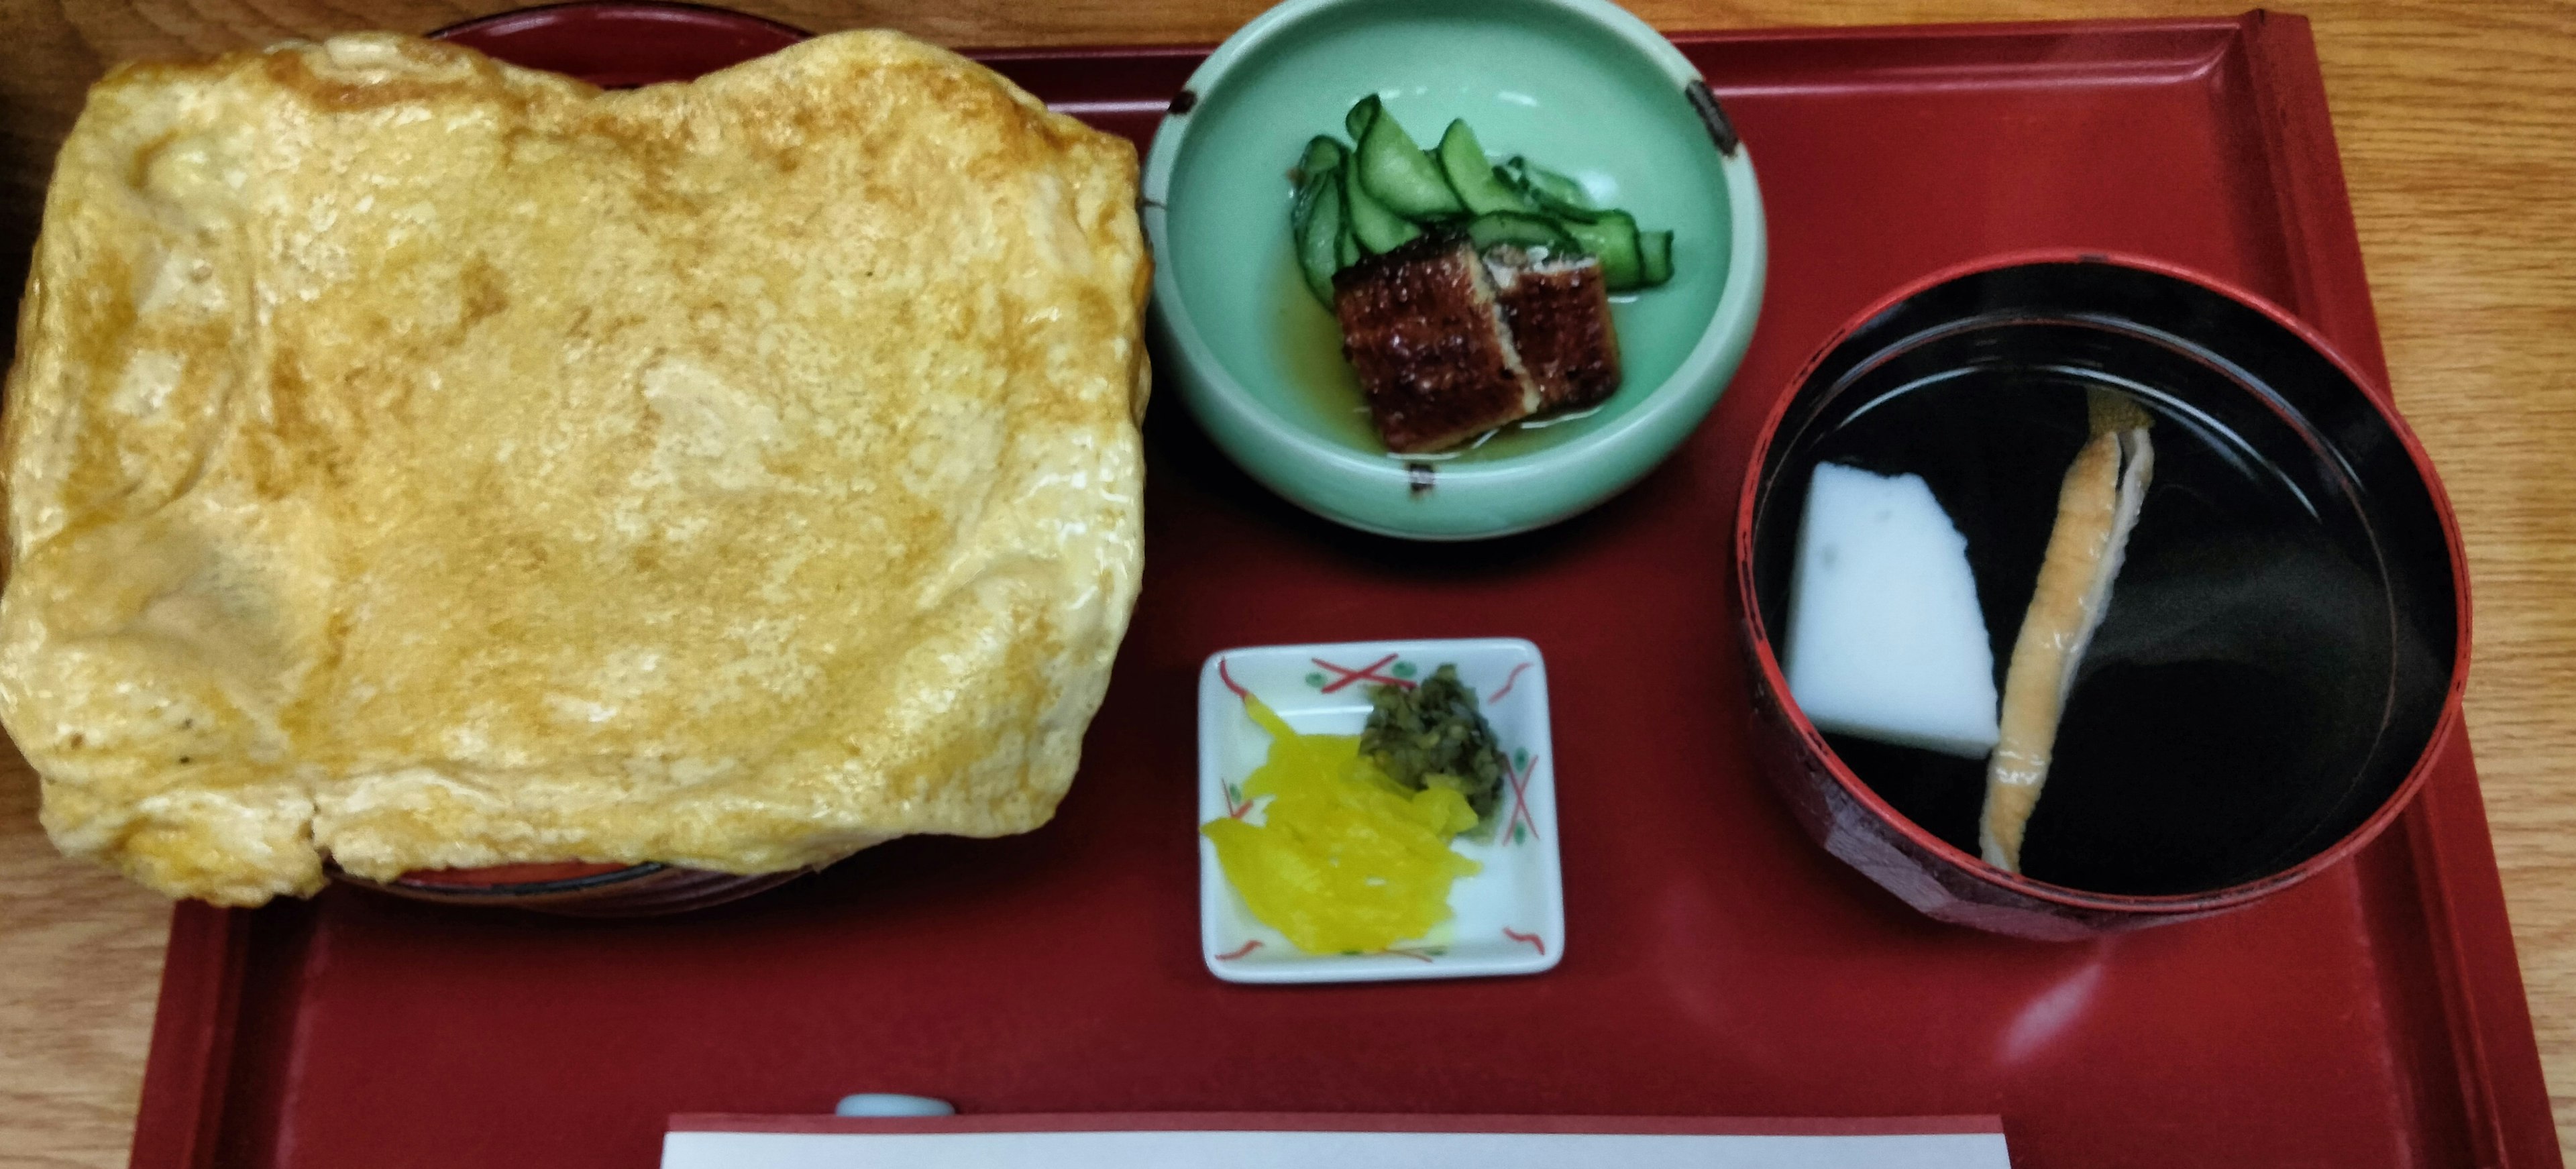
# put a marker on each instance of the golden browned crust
(415, 461)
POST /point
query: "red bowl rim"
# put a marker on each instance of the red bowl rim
(501, 23)
(530, 879)
(2179, 904)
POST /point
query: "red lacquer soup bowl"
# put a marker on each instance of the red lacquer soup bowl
(611, 45)
(2284, 645)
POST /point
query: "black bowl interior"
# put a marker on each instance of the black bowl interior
(2278, 650)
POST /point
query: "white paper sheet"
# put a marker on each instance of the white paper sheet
(1335, 1150)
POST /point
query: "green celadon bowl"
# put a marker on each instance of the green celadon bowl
(1578, 86)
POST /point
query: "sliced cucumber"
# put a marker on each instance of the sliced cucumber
(1401, 176)
(1472, 175)
(1319, 233)
(1613, 238)
(1554, 193)
(1301, 215)
(1353, 202)
(1520, 231)
(1654, 257)
(1363, 112)
(1323, 156)
(1377, 228)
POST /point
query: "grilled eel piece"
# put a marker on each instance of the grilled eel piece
(1557, 309)
(1435, 360)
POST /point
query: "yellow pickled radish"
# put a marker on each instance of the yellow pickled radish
(1345, 860)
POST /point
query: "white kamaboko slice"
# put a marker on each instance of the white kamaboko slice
(1885, 638)
(2097, 505)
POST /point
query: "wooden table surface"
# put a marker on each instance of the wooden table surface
(2457, 121)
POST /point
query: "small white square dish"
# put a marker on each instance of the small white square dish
(1509, 918)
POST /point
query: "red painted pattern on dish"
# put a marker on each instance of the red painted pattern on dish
(1521, 815)
(1367, 673)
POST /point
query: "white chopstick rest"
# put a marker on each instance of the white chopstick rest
(891, 1104)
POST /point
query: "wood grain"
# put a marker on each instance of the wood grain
(2457, 121)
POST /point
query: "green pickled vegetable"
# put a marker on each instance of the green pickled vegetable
(1554, 193)
(1323, 156)
(1358, 200)
(1613, 238)
(1400, 175)
(1363, 112)
(1520, 231)
(1654, 257)
(1434, 736)
(1377, 228)
(1480, 186)
(1320, 225)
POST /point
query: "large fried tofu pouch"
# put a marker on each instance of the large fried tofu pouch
(415, 461)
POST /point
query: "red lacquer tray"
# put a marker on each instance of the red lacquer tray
(1717, 963)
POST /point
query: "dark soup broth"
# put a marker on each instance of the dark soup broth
(2230, 704)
